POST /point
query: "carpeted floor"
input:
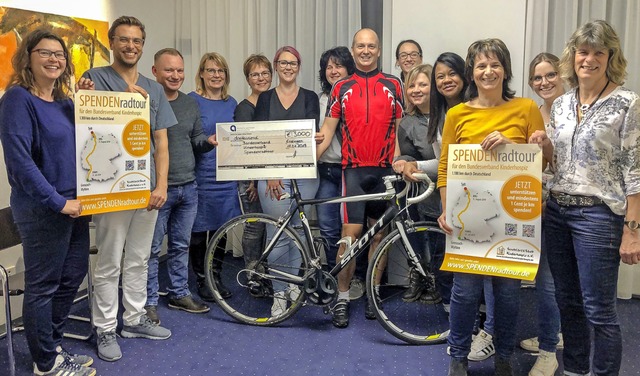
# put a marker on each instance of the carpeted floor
(214, 344)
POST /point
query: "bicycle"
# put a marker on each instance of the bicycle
(301, 279)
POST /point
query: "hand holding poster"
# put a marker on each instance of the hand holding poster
(493, 204)
(113, 143)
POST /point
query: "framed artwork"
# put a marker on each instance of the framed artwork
(86, 39)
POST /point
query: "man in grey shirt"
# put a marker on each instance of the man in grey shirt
(177, 215)
(129, 230)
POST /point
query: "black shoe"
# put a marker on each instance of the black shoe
(204, 293)
(430, 294)
(152, 313)
(222, 289)
(188, 304)
(416, 286)
(369, 312)
(458, 367)
(503, 367)
(341, 314)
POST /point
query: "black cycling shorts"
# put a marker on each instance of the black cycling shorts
(360, 181)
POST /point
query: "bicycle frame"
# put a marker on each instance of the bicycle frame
(360, 245)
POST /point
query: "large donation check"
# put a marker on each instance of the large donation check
(493, 206)
(113, 144)
(255, 150)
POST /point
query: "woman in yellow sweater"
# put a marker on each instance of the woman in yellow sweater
(491, 117)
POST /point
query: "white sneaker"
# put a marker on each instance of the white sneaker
(279, 304)
(481, 347)
(293, 292)
(546, 364)
(533, 345)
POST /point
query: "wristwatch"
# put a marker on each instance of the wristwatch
(633, 225)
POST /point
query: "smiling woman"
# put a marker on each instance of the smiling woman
(38, 140)
(217, 200)
(287, 101)
(491, 117)
(593, 145)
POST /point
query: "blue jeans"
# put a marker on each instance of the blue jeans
(584, 245)
(465, 298)
(329, 221)
(548, 312)
(285, 252)
(175, 219)
(56, 259)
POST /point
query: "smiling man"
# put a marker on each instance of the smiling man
(131, 230)
(177, 215)
(368, 107)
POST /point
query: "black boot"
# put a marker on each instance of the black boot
(415, 288)
(458, 367)
(204, 292)
(222, 289)
(430, 294)
(503, 367)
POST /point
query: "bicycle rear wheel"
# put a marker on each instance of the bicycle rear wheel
(252, 282)
(412, 322)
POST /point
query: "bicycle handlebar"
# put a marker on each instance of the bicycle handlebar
(390, 179)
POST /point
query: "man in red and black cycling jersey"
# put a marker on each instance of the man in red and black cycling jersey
(365, 108)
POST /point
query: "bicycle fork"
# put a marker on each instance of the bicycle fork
(410, 252)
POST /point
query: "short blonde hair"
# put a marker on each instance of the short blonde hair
(412, 75)
(599, 35)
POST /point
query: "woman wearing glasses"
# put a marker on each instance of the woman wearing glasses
(217, 201)
(38, 138)
(548, 85)
(592, 214)
(408, 55)
(258, 73)
(287, 101)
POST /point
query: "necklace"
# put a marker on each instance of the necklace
(583, 107)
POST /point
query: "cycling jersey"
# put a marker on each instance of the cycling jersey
(367, 104)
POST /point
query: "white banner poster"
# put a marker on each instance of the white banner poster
(113, 144)
(259, 150)
(494, 202)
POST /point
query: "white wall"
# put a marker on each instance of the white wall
(441, 26)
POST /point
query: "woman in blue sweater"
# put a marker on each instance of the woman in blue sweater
(38, 139)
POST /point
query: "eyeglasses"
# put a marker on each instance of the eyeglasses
(283, 64)
(212, 71)
(60, 55)
(549, 76)
(256, 75)
(124, 41)
(405, 56)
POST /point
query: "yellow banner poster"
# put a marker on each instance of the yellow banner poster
(494, 203)
(113, 145)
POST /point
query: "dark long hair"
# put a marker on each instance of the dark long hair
(21, 62)
(341, 55)
(438, 103)
(485, 47)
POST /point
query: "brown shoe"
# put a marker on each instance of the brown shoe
(188, 304)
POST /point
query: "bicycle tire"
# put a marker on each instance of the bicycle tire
(414, 322)
(250, 303)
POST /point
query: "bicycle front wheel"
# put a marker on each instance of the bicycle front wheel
(387, 280)
(250, 288)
